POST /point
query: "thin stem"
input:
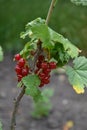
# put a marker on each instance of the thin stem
(16, 104)
(50, 11)
(38, 52)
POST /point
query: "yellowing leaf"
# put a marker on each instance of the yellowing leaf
(79, 89)
(77, 74)
(68, 125)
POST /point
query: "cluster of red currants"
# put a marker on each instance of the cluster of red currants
(21, 68)
(43, 70)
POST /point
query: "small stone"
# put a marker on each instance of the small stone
(65, 102)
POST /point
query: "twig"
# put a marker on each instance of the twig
(38, 52)
(16, 104)
(50, 11)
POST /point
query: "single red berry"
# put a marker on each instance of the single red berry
(41, 58)
(18, 69)
(21, 62)
(46, 78)
(41, 75)
(24, 72)
(27, 68)
(47, 71)
(44, 65)
(52, 65)
(17, 57)
(41, 85)
(19, 77)
(46, 81)
(38, 64)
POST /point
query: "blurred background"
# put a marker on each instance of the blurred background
(67, 19)
(67, 107)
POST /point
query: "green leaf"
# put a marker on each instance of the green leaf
(1, 54)
(60, 55)
(78, 74)
(71, 50)
(80, 2)
(37, 29)
(19, 84)
(27, 49)
(0, 125)
(32, 82)
(43, 106)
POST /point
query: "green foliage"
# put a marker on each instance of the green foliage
(31, 83)
(71, 50)
(78, 74)
(27, 49)
(43, 107)
(80, 2)
(65, 23)
(1, 54)
(37, 29)
(60, 55)
(0, 125)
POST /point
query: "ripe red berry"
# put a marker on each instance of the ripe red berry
(44, 65)
(27, 68)
(17, 57)
(41, 85)
(46, 81)
(41, 58)
(38, 64)
(19, 78)
(52, 65)
(24, 72)
(21, 62)
(18, 70)
(47, 71)
(42, 75)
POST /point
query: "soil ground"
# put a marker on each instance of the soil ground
(67, 105)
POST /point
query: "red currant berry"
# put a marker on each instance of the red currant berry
(46, 81)
(42, 75)
(24, 72)
(41, 85)
(19, 77)
(18, 69)
(17, 57)
(44, 65)
(52, 65)
(41, 58)
(21, 62)
(47, 71)
(38, 64)
(27, 68)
